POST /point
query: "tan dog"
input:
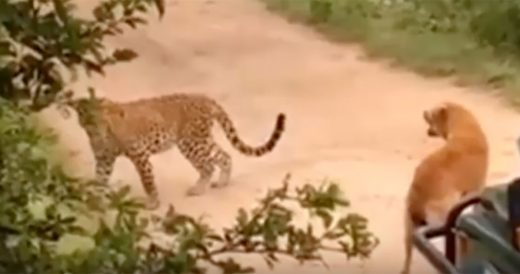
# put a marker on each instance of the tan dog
(452, 171)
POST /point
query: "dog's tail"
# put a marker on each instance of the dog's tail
(409, 227)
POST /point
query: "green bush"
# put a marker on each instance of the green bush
(476, 40)
(40, 40)
(52, 222)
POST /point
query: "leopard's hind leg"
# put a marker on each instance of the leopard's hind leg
(199, 152)
(221, 159)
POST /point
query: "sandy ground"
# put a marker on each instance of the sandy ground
(349, 119)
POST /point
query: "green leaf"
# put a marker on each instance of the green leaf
(93, 66)
(5, 48)
(333, 190)
(342, 202)
(61, 10)
(99, 13)
(242, 217)
(122, 193)
(161, 7)
(134, 21)
(215, 237)
(124, 55)
(325, 217)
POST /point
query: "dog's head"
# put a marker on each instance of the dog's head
(437, 120)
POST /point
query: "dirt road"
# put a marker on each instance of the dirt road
(352, 120)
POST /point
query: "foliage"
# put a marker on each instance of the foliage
(40, 40)
(474, 39)
(40, 206)
(270, 231)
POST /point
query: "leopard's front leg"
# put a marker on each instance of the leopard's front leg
(105, 161)
(141, 161)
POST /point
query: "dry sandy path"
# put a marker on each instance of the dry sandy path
(349, 119)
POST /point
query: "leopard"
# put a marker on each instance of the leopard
(144, 127)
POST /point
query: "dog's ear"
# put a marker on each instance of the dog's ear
(426, 116)
(442, 113)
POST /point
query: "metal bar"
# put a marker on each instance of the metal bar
(445, 263)
(450, 243)
(421, 242)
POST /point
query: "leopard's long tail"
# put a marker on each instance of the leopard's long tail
(231, 133)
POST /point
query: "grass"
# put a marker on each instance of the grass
(397, 32)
